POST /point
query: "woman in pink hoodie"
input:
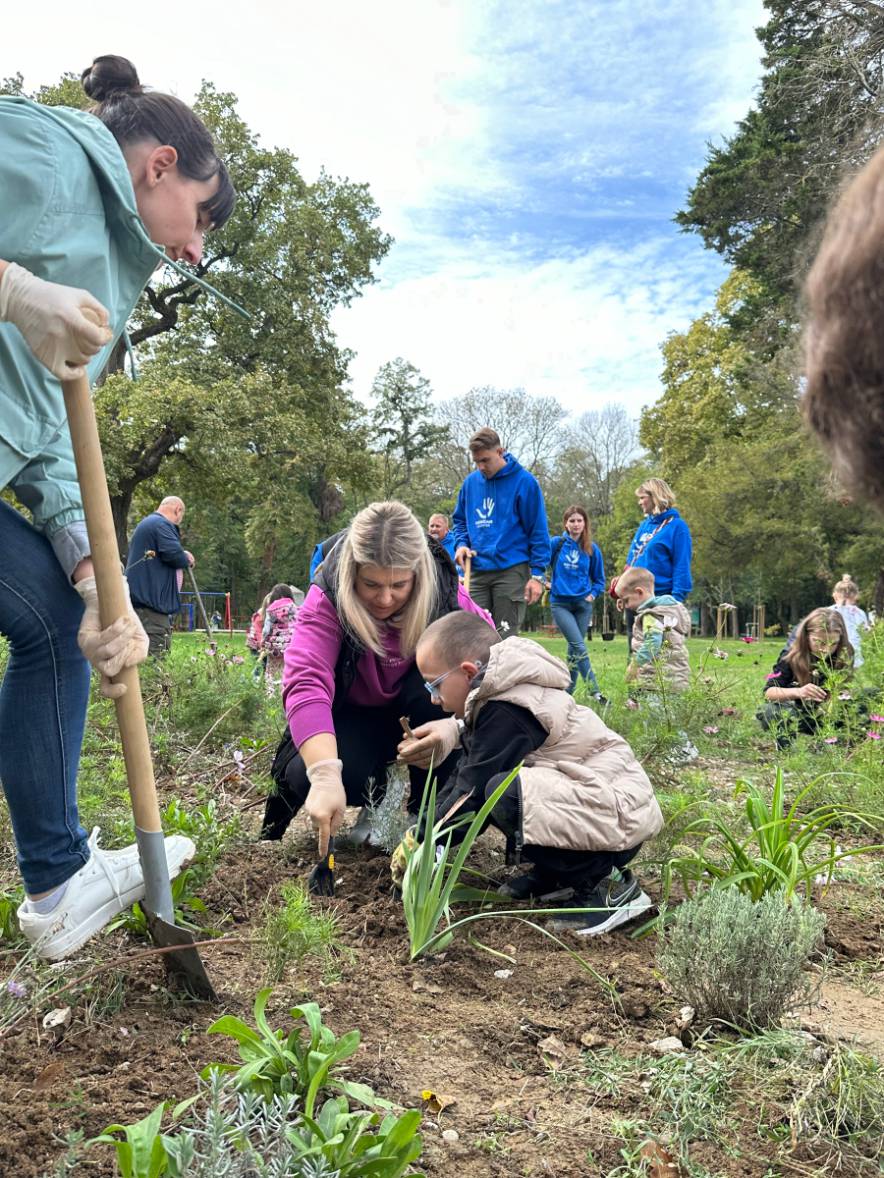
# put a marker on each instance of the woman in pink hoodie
(350, 669)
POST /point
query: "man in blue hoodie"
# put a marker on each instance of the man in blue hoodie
(153, 579)
(500, 521)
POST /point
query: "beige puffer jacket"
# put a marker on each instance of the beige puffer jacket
(672, 664)
(583, 789)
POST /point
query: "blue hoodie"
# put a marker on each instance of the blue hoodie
(667, 555)
(503, 519)
(577, 573)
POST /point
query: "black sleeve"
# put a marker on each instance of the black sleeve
(503, 736)
(782, 674)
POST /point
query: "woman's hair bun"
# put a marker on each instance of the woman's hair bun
(110, 75)
(846, 577)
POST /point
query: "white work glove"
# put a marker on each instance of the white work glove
(122, 644)
(51, 319)
(435, 740)
(326, 801)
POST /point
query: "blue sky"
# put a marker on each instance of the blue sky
(527, 155)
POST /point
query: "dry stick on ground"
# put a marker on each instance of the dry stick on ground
(223, 716)
(116, 962)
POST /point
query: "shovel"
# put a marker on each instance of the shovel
(183, 962)
(322, 877)
(199, 601)
(467, 569)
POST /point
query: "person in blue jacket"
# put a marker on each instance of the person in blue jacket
(662, 544)
(577, 578)
(500, 522)
(155, 557)
(438, 525)
(93, 200)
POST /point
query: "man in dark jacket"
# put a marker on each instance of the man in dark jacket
(152, 569)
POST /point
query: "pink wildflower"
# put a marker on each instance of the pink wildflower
(831, 740)
(874, 735)
(632, 704)
(710, 729)
(876, 719)
(237, 658)
(15, 989)
(728, 711)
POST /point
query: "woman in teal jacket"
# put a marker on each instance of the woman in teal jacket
(92, 203)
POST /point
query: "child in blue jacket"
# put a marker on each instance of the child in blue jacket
(577, 578)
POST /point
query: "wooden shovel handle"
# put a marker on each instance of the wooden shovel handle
(467, 570)
(111, 596)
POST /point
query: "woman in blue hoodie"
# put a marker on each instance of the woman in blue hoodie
(578, 577)
(92, 203)
(662, 543)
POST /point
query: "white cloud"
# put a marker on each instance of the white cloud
(586, 330)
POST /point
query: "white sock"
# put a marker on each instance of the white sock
(50, 902)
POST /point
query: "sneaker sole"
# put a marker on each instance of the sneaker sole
(630, 911)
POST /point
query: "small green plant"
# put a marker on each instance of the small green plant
(185, 903)
(141, 1152)
(297, 929)
(785, 851)
(356, 1144)
(9, 904)
(844, 1101)
(210, 833)
(740, 961)
(239, 1134)
(276, 1064)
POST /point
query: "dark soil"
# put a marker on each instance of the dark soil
(504, 1052)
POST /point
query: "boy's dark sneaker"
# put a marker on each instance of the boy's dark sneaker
(530, 886)
(600, 699)
(613, 902)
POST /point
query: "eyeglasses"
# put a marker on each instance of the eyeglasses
(433, 686)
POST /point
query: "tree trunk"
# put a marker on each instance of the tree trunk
(879, 594)
(120, 505)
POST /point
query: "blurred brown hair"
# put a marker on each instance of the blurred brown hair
(844, 338)
(484, 439)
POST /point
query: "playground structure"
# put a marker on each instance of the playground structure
(215, 601)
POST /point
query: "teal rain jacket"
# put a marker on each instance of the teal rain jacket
(67, 214)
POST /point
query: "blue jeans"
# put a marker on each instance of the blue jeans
(572, 618)
(43, 703)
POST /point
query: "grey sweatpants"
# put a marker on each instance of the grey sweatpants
(502, 593)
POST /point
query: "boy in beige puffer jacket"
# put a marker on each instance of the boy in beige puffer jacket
(659, 633)
(581, 805)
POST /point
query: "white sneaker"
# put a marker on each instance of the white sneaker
(110, 882)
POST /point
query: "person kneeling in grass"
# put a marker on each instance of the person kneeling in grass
(797, 687)
(580, 807)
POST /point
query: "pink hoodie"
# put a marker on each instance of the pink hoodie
(308, 679)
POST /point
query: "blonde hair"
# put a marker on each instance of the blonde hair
(846, 588)
(389, 536)
(635, 578)
(662, 495)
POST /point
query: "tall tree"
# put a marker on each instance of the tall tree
(761, 195)
(402, 424)
(596, 451)
(529, 427)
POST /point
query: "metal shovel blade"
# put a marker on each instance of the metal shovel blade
(184, 964)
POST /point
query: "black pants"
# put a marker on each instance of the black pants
(367, 740)
(563, 867)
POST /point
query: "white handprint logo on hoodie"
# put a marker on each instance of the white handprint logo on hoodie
(484, 513)
(572, 559)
